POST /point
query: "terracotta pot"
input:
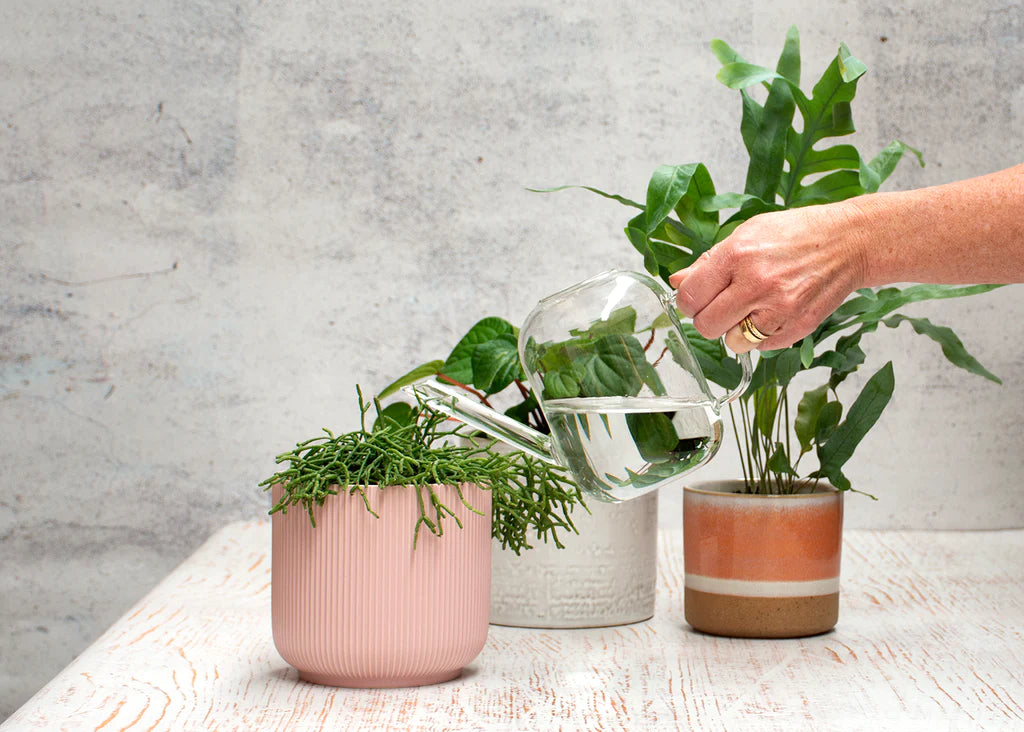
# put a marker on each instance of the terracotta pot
(761, 566)
(604, 576)
(353, 604)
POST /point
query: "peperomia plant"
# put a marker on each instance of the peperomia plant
(790, 165)
(485, 363)
(600, 384)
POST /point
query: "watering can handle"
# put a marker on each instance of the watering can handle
(668, 299)
(747, 371)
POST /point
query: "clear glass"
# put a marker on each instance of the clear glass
(629, 408)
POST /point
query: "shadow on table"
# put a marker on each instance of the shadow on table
(285, 674)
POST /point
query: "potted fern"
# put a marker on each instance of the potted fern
(381, 547)
(604, 571)
(762, 552)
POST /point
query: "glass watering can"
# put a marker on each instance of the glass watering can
(627, 403)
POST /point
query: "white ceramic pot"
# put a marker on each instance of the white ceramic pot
(606, 575)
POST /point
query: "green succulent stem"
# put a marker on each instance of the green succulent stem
(530, 498)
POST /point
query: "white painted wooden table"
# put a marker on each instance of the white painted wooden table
(930, 636)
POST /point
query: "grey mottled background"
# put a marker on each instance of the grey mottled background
(217, 218)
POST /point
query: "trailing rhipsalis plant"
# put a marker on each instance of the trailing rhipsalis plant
(410, 448)
(790, 165)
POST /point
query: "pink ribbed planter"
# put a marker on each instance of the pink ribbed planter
(354, 605)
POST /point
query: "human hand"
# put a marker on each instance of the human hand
(788, 270)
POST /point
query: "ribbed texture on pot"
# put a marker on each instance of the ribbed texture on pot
(353, 604)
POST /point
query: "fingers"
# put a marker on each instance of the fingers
(736, 342)
(740, 339)
(731, 307)
(699, 284)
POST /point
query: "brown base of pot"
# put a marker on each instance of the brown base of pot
(760, 617)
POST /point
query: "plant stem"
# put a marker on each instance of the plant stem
(739, 447)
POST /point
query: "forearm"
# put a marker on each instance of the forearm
(970, 231)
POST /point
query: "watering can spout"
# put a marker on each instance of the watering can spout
(446, 400)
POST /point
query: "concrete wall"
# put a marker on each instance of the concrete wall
(216, 219)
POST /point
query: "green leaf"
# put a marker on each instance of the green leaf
(837, 186)
(702, 222)
(807, 413)
(766, 407)
(740, 75)
(521, 412)
(677, 188)
(621, 321)
(398, 413)
(850, 67)
(654, 435)
(612, 196)
(615, 367)
(764, 373)
(789, 61)
(732, 200)
(779, 462)
(847, 356)
(807, 352)
(863, 309)
(842, 120)
(768, 152)
(752, 119)
(787, 365)
(874, 173)
(862, 417)
(841, 482)
(825, 114)
(560, 385)
(952, 348)
(836, 157)
(496, 364)
(459, 365)
(636, 232)
(828, 420)
(718, 366)
(669, 185)
(431, 368)
(724, 52)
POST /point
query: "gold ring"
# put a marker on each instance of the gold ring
(750, 331)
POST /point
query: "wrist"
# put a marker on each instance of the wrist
(852, 220)
(871, 230)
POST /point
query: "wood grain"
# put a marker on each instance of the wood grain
(930, 636)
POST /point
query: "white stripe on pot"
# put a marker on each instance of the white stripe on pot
(762, 588)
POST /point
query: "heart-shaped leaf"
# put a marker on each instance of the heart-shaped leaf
(495, 363)
(613, 367)
(560, 385)
(459, 365)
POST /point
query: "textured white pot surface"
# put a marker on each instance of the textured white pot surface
(606, 575)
